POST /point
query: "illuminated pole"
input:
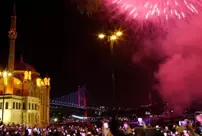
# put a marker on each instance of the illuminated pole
(112, 39)
(5, 76)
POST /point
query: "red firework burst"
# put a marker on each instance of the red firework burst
(157, 9)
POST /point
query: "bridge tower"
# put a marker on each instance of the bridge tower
(79, 97)
(82, 96)
(85, 102)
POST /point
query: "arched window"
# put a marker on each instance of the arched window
(26, 75)
(30, 75)
(38, 82)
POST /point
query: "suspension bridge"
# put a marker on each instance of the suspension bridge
(74, 100)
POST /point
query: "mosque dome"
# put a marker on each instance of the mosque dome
(20, 65)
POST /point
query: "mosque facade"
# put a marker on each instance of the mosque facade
(24, 94)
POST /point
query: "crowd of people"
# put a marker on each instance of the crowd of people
(106, 128)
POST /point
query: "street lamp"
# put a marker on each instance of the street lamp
(5, 74)
(119, 33)
(111, 39)
(101, 36)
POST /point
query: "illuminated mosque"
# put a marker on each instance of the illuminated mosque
(24, 95)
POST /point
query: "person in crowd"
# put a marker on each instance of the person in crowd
(192, 130)
(106, 130)
(126, 129)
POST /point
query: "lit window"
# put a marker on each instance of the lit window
(38, 82)
(26, 75)
(46, 81)
(42, 83)
(30, 75)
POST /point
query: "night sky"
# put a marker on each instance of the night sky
(55, 38)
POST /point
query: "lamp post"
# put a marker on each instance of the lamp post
(5, 75)
(112, 39)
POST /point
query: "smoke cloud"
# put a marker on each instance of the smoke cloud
(180, 74)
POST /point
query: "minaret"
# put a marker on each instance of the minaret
(12, 35)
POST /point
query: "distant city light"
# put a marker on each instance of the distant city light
(55, 119)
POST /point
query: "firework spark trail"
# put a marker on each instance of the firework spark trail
(158, 9)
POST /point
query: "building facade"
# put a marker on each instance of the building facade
(24, 94)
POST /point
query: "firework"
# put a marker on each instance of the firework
(158, 9)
